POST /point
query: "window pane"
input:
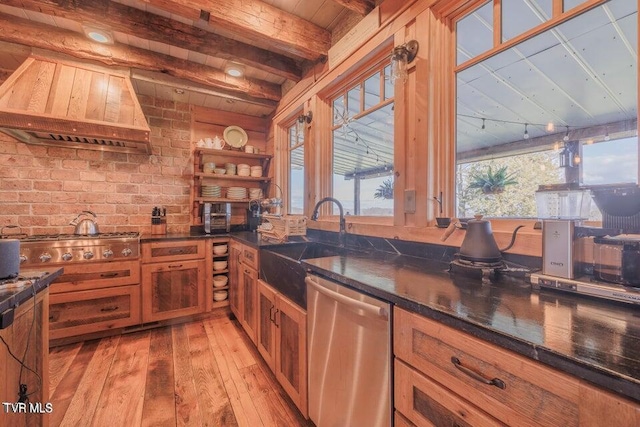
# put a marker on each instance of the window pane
(339, 112)
(296, 180)
(353, 101)
(372, 91)
(610, 162)
(363, 164)
(388, 86)
(519, 16)
(516, 199)
(474, 33)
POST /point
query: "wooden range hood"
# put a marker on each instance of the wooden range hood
(55, 102)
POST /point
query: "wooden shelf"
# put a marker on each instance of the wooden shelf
(221, 256)
(204, 175)
(220, 200)
(217, 272)
(220, 304)
(231, 154)
(224, 288)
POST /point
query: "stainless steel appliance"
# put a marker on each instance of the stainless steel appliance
(61, 249)
(558, 254)
(216, 218)
(617, 259)
(9, 258)
(349, 356)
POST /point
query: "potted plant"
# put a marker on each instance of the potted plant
(490, 182)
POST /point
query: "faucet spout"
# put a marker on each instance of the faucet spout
(342, 235)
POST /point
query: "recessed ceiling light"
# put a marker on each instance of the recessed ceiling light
(234, 70)
(98, 35)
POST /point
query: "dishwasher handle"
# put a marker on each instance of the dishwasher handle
(343, 299)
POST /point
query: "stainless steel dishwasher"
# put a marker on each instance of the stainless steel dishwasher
(349, 355)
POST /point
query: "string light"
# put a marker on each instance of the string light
(606, 135)
(551, 127)
(526, 132)
(566, 135)
(483, 126)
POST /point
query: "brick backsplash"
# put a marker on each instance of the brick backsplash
(43, 188)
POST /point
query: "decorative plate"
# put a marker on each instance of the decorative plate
(235, 136)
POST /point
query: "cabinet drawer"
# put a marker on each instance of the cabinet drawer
(249, 257)
(78, 313)
(426, 403)
(96, 276)
(532, 394)
(173, 250)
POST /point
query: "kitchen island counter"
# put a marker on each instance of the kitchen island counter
(25, 286)
(598, 341)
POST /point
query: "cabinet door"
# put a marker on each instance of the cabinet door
(425, 403)
(172, 290)
(84, 312)
(169, 251)
(235, 281)
(266, 339)
(79, 277)
(291, 350)
(249, 301)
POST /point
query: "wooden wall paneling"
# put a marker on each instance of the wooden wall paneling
(41, 86)
(61, 93)
(80, 95)
(97, 97)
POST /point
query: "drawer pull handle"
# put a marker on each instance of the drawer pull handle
(476, 376)
(275, 320)
(175, 266)
(271, 314)
(109, 275)
(108, 309)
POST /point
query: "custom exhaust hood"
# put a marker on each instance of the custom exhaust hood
(55, 102)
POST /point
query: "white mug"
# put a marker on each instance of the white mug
(208, 142)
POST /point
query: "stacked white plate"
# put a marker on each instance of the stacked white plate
(255, 193)
(231, 168)
(208, 167)
(211, 191)
(236, 193)
(256, 171)
(244, 170)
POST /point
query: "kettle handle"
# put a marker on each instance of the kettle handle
(88, 212)
(513, 239)
(455, 223)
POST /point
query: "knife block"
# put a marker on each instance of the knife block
(159, 228)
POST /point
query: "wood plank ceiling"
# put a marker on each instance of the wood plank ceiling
(179, 49)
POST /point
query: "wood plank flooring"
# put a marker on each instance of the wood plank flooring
(203, 373)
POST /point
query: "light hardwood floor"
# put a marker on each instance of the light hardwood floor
(203, 373)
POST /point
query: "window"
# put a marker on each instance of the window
(296, 169)
(559, 107)
(363, 145)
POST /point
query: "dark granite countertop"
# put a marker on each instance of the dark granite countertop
(34, 282)
(250, 238)
(598, 341)
(146, 238)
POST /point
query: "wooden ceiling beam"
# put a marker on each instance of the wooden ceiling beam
(258, 22)
(361, 7)
(129, 20)
(28, 33)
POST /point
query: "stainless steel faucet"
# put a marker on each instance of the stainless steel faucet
(342, 235)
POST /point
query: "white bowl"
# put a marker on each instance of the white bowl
(220, 295)
(219, 171)
(220, 249)
(219, 265)
(220, 281)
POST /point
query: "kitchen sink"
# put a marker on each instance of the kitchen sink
(280, 266)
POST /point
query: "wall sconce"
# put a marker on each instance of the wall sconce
(401, 56)
(303, 119)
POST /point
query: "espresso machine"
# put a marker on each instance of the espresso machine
(602, 262)
(259, 206)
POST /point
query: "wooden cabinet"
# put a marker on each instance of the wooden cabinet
(235, 288)
(174, 279)
(244, 286)
(94, 298)
(220, 158)
(445, 374)
(84, 312)
(27, 338)
(249, 283)
(282, 341)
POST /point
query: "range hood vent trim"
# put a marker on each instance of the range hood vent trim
(74, 91)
